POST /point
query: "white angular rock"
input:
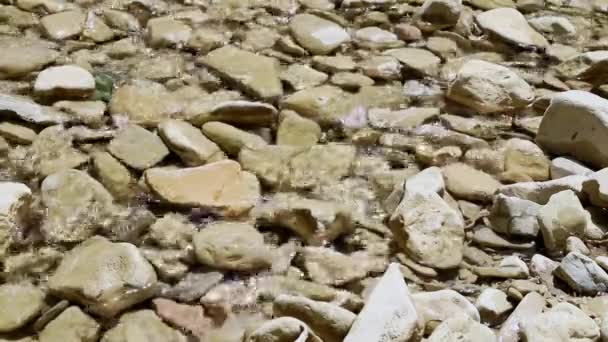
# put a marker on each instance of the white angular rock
(511, 26)
(596, 187)
(530, 306)
(561, 217)
(65, 81)
(540, 192)
(564, 322)
(427, 180)
(514, 216)
(463, 329)
(582, 274)
(493, 305)
(438, 306)
(389, 315)
(564, 166)
(317, 35)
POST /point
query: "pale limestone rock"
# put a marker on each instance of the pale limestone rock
(564, 322)
(71, 325)
(63, 25)
(560, 218)
(112, 174)
(462, 328)
(541, 192)
(512, 27)
(284, 329)
(137, 147)
(140, 326)
(65, 81)
(90, 113)
(19, 303)
(167, 32)
(319, 36)
(493, 306)
(231, 139)
(468, 183)
(422, 62)
(144, 103)
(530, 306)
(582, 274)
(29, 111)
(514, 216)
(296, 130)
(524, 157)
(439, 306)
(189, 143)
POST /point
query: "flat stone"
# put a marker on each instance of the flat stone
(488, 88)
(27, 110)
(255, 74)
(540, 192)
(560, 218)
(422, 62)
(373, 37)
(325, 104)
(297, 131)
(596, 188)
(514, 216)
(240, 113)
(525, 157)
(586, 65)
(72, 324)
(190, 318)
(558, 26)
(462, 328)
(530, 306)
(301, 76)
(189, 143)
(427, 180)
(401, 119)
(333, 64)
(52, 151)
(231, 139)
(220, 186)
(468, 183)
(112, 174)
(24, 296)
(381, 67)
(142, 325)
(88, 275)
(564, 166)
(90, 113)
(350, 80)
(582, 274)
(562, 322)
(145, 103)
(317, 35)
(167, 32)
(137, 147)
(63, 25)
(486, 237)
(283, 329)
(65, 81)
(389, 313)
(19, 60)
(512, 27)
(439, 306)
(329, 267)
(543, 267)
(232, 246)
(193, 286)
(493, 306)
(509, 267)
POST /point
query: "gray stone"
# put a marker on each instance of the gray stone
(65, 81)
(138, 148)
(596, 188)
(329, 267)
(189, 143)
(422, 62)
(462, 328)
(514, 216)
(564, 322)
(530, 306)
(439, 306)
(512, 27)
(317, 35)
(541, 192)
(582, 274)
(563, 167)
(142, 325)
(427, 180)
(231, 139)
(71, 325)
(560, 218)
(493, 306)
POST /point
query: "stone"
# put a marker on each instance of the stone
(193, 286)
(76, 206)
(422, 220)
(401, 119)
(168, 263)
(16, 133)
(543, 267)
(232, 246)
(240, 113)
(562, 322)
(514, 216)
(575, 244)
(52, 151)
(90, 113)
(577, 138)
(88, 274)
(190, 318)
(582, 274)
(381, 67)
(71, 325)
(189, 143)
(14, 204)
(564, 166)
(329, 267)
(63, 25)
(462, 328)
(256, 75)
(221, 186)
(317, 35)
(114, 176)
(558, 26)
(373, 37)
(301, 76)
(351, 81)
(525, 157)
(333, 64)
(488, 88)
(468, 183)
(142, 325)
(65, 81)
(28, 299)
(143, 102)
(325, 104)
(121, 20)
(595, 188)
(509, 267)
(439, 306)
(530, 306)
(389, 313)
(231, 139)
(560, 218)
(297, 131)
(493, 306)
(21, 59)
(427, 180)
(486, 237)
(172, 231)
(439, 14)
(512, 27)
(330, 322)
(167, 32)
(283, 329)
(541, 192)
(137, 147)
(421, 62)
(29, 111)
(205, 39)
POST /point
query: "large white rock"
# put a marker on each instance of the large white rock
(596, 187)
(561, 217)
(564, 166)
(488, 88)
(576, 124)
(511, 26)
(531, 305)
(389, 315)
(540, 192)
(438, 306)
(582, 274)
(564, 322)
(65, 81)
(462, 328)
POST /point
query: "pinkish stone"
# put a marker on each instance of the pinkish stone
(190, 318)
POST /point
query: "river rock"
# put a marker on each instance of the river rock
(231, 139)
(88, 275)
(193, 286)
(21, 59)
(373, 37)
(541, 192)
(317, 35)
(189, 143)
(167, 32)
(283, 329)
(137, 147)
(493, 306)
(427, 180)
(301, 76)
(63, 25)
(52, 151)
(143, 102)
(439, 306)
(439, 14)
(232, 246)
(462, 328)
(525, 158)
(172, 231)
(65, 81)
(421, 62)
(530, 306)
(560, 218)
(468, 183)
(329, 267)
(257, 75)
(325, 104)
(76, 206)
(389, 313)
(220, 186)
(142, 325)
(240, 113)
(582, 138)
(112, 174)
(71, 325)
(487, 88)
(596, 188)
(582, 274)
(296, 130)
(187, 317)
(511, 26)
(330, 322)
(28, 299)
(514, 216)
(423, 219)
(564, 166)
(564, 322)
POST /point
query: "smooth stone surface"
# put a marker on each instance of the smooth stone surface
(189, 143)
(512, 27)
(319, 36)
(63, 25)
(530, 306)
(493, 305)
(439, 306)
(231, 139)
(560, 218)
(138, 148)
(564, 166)
(564, 322)
(142, 325)
(514, 216)
(297, 131)
(582, 274)
(19, 304)
(420, 61)
(29, 111)
(64, 81)
(596, 188)
(541, 192)
(468, 183)
(283, 329)
(462, 328)
(71, 325)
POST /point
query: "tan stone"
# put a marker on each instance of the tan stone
(71, 325)
(63, 25)
(142, 326)
(19, 304)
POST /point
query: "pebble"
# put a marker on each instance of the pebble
(65, 81)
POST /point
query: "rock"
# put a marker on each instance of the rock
(509, 267)
(493, 306)
(325, 104)
(301, 76)
(144, 103)
(142, 325)
(563, 322)
(563, 167)
(26, 297)
(137, 147)
(514, 216)
(389, 313)
(232, 246)
(530, 306)
(423, 219)
(351, 81)
(220, 186)
(168, 263)
(284, 329)
(231, 139)
(257, 75)
(31, 263)
(373, 37)
(524, 157)
(167, 32)
(63, 25)
(540, 192)
(172, 231)
(88, 275)
(543, 267)
(511, 26)
(560, 218)
(193, 286)
(189, 143)
(16, 133)
(486, 237)
(71, 325)
(65, 81)
(317, 35)
(330, 322)
(402, 119)
(76, 206)
(27, 110)
(558, 26)
(595, 188)
(90, 113)
(381, 67)
(21, 59)
(468, 183)
(112, 174)
(439, 306)
(582, 274)
(52, 152)
(462, 328)
(575, 244)
(407, 32)
(329, 267)
(439, 14)
(239, 113)
(14, 204)
(427, 180)
(422, 62)
(187, 317)
(334, 64)
(315, 221)
(577, 138)
(489, 88)
(297, 131)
